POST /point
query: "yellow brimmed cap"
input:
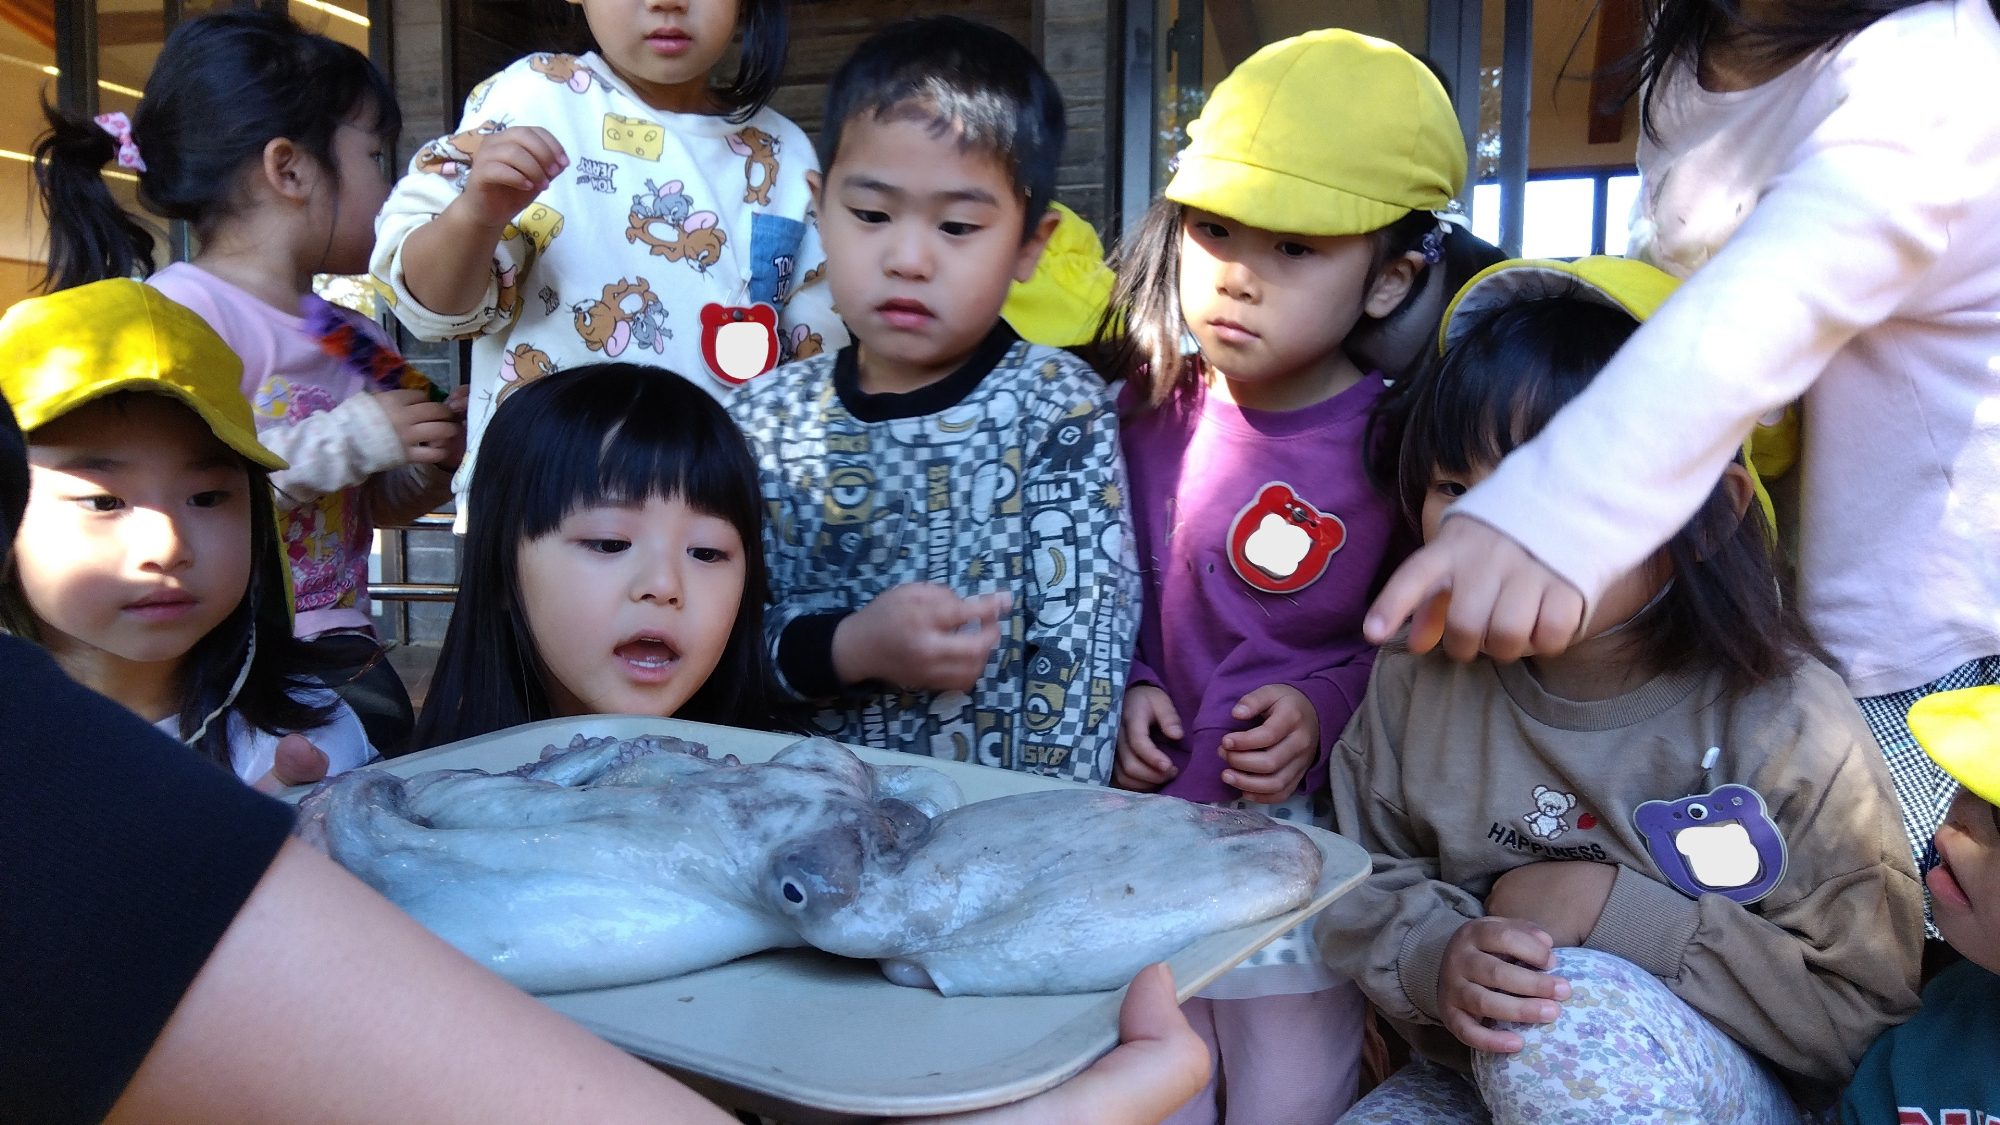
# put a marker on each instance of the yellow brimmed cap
(1960, 730)
(1326, 133)
(1062, 303)
(1619, 283)
(70, 348)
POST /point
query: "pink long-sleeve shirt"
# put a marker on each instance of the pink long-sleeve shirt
(1840, 229)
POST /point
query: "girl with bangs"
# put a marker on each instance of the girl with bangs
(614, 564)
(1657, 877)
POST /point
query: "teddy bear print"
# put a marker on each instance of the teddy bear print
(451, 157)
(565, 69)
(1546, 822)
(629, 313)
(759, 151)
(695, 239)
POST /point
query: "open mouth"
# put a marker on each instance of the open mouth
(905, 313)
(1944, 886)
(647, 657)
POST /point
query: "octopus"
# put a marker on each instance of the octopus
(610, 862)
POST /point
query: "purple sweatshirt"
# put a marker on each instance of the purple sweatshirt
(1258, 539)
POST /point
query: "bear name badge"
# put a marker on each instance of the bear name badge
(1279, 543)
(739, 343)
(1722, 842)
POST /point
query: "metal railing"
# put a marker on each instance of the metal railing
(395, 565)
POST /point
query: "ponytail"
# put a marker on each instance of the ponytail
(223, 88)
(91, 238)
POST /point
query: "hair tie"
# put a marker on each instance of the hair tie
(1433, 247)
(120, 128)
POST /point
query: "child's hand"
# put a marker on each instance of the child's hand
(920, 637)
(295, 761)
(1965, 888)
(1480, 980)
(1563, 897)
(428, 430)
(511, 168)
(456, 402)
(1479, 591)
(1141, 765)
(1267, 761)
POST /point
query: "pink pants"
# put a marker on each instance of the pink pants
(1277, 1060)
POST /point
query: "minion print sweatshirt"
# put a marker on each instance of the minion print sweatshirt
(1772, 892)
(1004, 475)
(682, 241)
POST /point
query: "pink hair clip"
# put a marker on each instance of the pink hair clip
(120, 128)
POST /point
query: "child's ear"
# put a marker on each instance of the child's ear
(815, 182)
(1737, 486)
(1038, 240)
(1393, 284)
(289, 170)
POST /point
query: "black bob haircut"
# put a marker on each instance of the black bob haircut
(610, 433)
(965, 79)
(282, 693)
(224, 86)
(1496, 388)
(766, 31)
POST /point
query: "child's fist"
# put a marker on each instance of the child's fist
(920, 637)
(428, 430)
(295, 761)
(1267, 761)
(1141, 765)
(511, 168)
(1489, 973)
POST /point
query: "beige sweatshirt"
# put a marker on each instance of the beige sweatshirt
(1451, 775)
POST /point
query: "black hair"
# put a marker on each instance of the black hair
(766, 32)
(283, 665)
(224, 87)
(1139, 338)
(1679, 31)
(967, 80)
(13, 477)
(1500, 383)
(608, 433)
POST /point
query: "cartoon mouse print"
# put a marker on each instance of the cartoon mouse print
(521, 366)
(629, 313)
(451, 157)
(805, 343)
(1551, 805)
(759, 150)
(565, 69)
(1279, 543)
(696, 239)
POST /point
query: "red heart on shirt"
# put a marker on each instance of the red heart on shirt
(1586, 821)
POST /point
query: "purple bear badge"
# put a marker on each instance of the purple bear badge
(1722, 842)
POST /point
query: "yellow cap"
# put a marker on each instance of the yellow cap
(1061, 305)
(1326, 133)
(1620, 283)
(73, 347)
(1960, 730)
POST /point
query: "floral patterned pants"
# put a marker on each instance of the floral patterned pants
(1625, 1050)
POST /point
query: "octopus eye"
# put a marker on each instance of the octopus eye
(793, 893)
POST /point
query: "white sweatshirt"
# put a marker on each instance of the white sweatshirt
(1843, 221)
(660, 244)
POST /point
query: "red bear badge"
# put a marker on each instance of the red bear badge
(739, 343)
(1279, 543)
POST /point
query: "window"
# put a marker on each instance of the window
(1567, 216)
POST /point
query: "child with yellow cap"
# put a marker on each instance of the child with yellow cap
(1659, 877)
(148, 561)
(1943, 1067)
(1302, 211)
